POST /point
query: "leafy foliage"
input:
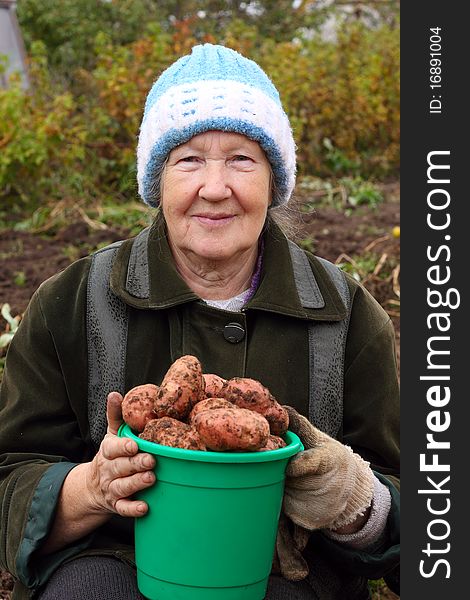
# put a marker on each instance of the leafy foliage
(72, 138)
(67, 28)
(41, 134)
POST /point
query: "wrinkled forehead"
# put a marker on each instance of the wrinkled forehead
(222, 142)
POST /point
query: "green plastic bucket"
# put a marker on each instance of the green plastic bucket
(210, 530)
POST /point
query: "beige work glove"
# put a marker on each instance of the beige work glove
(327, 486)
(290, 542)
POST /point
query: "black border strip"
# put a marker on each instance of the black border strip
(434, 271)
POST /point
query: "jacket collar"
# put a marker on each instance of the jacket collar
(144, 276)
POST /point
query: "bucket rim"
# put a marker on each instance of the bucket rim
(294, 445)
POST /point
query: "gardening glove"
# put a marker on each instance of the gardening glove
(290, 542)
(327, 486)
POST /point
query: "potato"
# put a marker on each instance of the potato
(208, 404)
(250, 393)
(225, 429)
(138, 406)
(181, 388)
(213, 385)
(171, 432)
(278, 418)
(273, 443)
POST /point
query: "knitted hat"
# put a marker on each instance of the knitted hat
(214, 88)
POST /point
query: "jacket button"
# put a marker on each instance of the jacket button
(234, 333)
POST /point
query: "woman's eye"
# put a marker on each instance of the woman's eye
(189, 159)
(241, 161)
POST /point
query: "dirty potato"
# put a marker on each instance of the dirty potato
(278, 418)
(273, 443)
(213, 385)
(238, 429)
(171, 432)
(208, 404)
(251, 394)
(181, 388)
(138, 406)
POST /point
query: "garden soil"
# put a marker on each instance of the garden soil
(339, 234)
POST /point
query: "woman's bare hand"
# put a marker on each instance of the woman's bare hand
(118, 470)
(93, 491)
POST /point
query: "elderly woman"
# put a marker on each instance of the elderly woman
(216, 278)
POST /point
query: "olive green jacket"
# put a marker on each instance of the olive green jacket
(44, 428)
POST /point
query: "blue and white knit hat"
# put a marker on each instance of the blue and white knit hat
(214, 88)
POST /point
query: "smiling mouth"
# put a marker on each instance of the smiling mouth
(216, 220)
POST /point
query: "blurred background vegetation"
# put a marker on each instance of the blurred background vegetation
(68, 138)
(71, 136)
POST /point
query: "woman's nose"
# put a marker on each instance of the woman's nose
(215, 185)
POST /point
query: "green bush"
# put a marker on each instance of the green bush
(67, 28)
(41, 135)
(345, 92)
(76, 142)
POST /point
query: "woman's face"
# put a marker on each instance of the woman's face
(215, 195)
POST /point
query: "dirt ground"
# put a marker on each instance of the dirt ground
(27, 259)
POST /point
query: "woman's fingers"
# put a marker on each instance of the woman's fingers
(131, 508)
(120, 457)
(123, 466)
(113, 447)
(124, 487)
(114, 412)
(111, 481)
(119, 470)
